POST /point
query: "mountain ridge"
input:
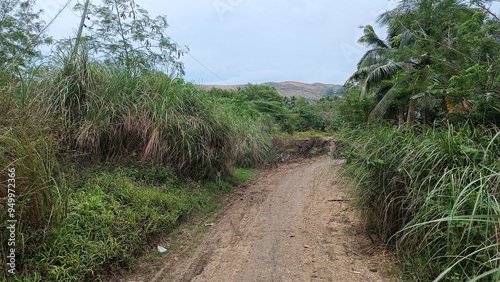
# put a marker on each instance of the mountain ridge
(311, 91)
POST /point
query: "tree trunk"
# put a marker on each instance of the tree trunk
(401, 115)
(411, 114)
(80, 31)
(427, 117)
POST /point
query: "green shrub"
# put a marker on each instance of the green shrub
(351, 109)
(110, 221)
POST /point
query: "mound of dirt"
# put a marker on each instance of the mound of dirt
(292, 150)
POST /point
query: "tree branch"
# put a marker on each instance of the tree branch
(488, 11)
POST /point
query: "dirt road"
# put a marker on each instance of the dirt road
(292, 224)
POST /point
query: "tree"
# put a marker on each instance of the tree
(124, 34)
(483, 5)
(262, 92)
(307, 119)
(460, 41)
(432, 45)
(21, 32)
(378, 67)
(376, 64)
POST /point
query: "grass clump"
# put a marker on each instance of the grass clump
(29, 162)
(434, 196)
(241, 175)
(253, 143)
(127, 117)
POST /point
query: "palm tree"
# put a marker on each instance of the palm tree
(376, 64)
(377, 68)
(418, 52)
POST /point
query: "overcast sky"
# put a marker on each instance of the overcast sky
(256, 41)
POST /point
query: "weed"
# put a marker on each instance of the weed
(241, 175)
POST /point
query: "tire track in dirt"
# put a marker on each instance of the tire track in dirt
(293, 224)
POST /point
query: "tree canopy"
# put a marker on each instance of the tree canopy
(21, 32)
(440, 59)
(125, 34)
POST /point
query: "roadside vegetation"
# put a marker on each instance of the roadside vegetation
(109, 147)
(423, 110)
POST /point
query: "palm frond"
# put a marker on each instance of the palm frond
(362, 73)
(398, 35)
(370, 38)
(386, 18)
(383, 72)
(373, 56)
(381, 108)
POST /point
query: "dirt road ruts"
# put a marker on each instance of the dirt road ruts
(294, 223)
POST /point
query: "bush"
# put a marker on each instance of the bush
(351, 110)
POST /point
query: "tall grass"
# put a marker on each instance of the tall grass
(253, 142)
(434, 196)
(69, 117)
(126, 117)
(26, 145)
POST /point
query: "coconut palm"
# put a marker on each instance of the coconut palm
(376, 64)
(377, 68)
(420, 51)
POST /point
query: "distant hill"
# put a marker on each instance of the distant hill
(311, 91)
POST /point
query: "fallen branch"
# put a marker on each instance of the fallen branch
(339, 200)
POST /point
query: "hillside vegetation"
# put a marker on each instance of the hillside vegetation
(312, 92)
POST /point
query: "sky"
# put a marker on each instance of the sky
(255, 41)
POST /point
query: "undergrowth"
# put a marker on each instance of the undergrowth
(112, 218)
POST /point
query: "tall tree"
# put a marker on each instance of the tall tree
(20, 32)
(125, 34)
(377, 70)
(376, 64)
